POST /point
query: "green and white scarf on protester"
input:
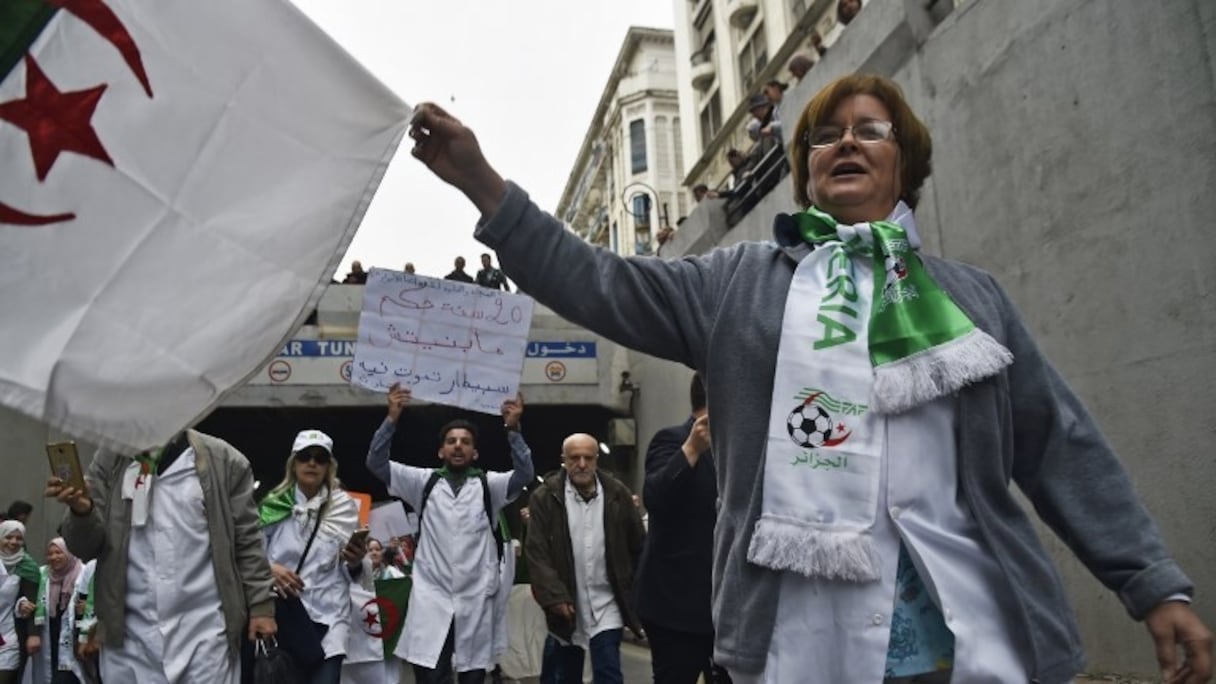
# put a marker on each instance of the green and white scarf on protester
(339, 512)
(866, 333)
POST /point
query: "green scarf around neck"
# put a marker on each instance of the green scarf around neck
(922, 345)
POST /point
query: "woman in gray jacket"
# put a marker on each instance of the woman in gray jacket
(872, 407)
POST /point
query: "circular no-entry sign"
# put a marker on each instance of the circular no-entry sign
(279, 371)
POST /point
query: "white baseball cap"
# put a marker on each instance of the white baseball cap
(310, 438)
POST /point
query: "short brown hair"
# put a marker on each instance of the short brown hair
(915, 145)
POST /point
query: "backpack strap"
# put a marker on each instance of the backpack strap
(426, 494)
(494, 528)
(485, 495)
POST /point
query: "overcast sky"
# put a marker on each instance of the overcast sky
(525, 75)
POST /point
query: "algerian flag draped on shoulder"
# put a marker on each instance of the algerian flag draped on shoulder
(179, 180)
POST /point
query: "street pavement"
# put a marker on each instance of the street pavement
(635, 667)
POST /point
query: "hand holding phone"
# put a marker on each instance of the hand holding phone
(67, 477)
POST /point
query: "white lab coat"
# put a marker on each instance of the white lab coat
(456, 572)
(10, 649)
(505, 582)
(174, 628)
(326, 595)
(39, 670)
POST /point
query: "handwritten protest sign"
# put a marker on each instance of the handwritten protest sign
(449, 342)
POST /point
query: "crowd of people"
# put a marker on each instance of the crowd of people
(847, 516)
(488, 276)
(47, 616)
(294, 569)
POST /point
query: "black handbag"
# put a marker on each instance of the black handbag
(272, 665)
(298, 635)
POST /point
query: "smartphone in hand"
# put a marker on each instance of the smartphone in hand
(65, 464)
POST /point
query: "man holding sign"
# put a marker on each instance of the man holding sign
(450, 619)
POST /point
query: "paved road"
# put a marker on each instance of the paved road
(635, 666)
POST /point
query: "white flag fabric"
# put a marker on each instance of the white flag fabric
(181, 177)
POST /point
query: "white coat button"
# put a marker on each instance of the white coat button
(877, 619)
(895, 511)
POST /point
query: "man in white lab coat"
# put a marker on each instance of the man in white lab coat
(181, 572)
(456, 573)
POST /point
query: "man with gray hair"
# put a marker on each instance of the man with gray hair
(584, 541)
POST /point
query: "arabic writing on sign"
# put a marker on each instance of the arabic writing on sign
(449, 342)
(820, 462)
(561, 350)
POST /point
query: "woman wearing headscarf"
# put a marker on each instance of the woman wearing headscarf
(18, 585)
(51, 644)
(310, 499)
(872, 408)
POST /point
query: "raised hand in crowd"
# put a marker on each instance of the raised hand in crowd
(398, 397)
(512, 410)
(452, 152)
(698, 440)
(76, 499)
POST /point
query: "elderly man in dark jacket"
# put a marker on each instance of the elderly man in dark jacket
(584, 540)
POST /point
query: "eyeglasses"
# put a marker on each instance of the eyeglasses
(318, 456)
(866, 133)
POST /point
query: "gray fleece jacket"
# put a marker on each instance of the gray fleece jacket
(721, 313)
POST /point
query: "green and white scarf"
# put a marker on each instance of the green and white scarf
(866, 333)
(339, 512)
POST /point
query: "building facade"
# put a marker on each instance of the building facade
(726, 50)
(625, 187)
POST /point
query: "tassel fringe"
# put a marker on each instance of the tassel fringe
(937, 371)
(784, 544)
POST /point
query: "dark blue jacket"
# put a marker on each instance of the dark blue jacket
(674, 583)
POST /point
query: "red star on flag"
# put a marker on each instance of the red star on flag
(371, 619)
(55, 121)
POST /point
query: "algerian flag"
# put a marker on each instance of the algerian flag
(179, 180)
(376, 619)
(395, 593)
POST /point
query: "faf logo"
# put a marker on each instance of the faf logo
(815, 423)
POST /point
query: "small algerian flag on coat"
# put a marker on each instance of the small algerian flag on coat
(180, 179)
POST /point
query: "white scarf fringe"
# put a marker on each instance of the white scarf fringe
(781, 544)
(937, 371)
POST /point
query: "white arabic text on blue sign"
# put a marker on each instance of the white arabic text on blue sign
(560, 350)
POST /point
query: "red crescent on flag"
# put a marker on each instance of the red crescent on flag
(20, 218)
(838, 441)
(389, 617)
(102, 19)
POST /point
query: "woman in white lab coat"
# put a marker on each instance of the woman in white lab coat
(51, 644)
(18, 585)
(309, 496)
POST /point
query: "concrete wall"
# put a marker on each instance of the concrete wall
(24, 474)
(1075, 159)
